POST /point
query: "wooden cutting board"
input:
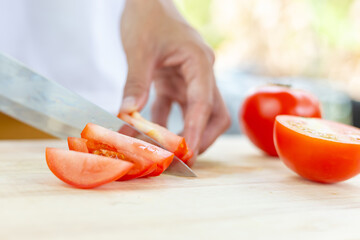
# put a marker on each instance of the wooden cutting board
(239, 194)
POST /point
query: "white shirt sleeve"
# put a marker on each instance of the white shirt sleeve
(76, 43)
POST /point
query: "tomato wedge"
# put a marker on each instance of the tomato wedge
(85, 170)
(142, 167)
(78, 144)
(167, 139)
(141, 153)
(316, 149)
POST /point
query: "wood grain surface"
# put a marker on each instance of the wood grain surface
(239, 194)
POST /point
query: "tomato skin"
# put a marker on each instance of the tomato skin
(314, 158)
(134, 150)
(142, 167)
(258, 112)
(169, 140)
(77, 144)
(84, 170)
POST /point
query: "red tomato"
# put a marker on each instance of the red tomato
(258, 112)
(142, 166)
(85, 170)
(167, 139)
(131, 149)
(317, 149)
(78, 144)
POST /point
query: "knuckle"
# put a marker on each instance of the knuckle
(203, 105)
(207, 104)
(202, 52)
(210, 54)
(195, 50)
(135, 84)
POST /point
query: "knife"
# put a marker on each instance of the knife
(46, 105)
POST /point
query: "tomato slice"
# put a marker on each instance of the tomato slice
(144, 155)
(84, 170)
(142, 167)
(317, 149)
(77, 144)
(167, 139)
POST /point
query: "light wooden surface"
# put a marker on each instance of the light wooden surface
(239, 194)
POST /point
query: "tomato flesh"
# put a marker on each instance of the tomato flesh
(142, 167)
(85, 170)
(149, 160)
(258, 112)
(77, 144)
(88, 146)
(167, 139)
(317, 149)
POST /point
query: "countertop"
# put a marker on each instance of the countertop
(239, 193)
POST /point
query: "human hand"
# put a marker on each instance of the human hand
(162, 48)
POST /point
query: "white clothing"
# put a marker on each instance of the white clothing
(74, 42)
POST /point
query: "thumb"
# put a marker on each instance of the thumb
(137, 87)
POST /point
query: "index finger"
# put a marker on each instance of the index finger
(199, 103)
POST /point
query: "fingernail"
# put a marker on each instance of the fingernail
(128, 105)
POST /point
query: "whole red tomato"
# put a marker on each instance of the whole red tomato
(258, 112)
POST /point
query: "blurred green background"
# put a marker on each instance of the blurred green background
(282, 38)
(310, 44)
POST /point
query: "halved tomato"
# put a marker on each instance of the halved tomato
(142, 167)
(167, 139)
(316, 149)
(130, 149)
(85, 170)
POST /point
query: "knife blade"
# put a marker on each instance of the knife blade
(49, 107)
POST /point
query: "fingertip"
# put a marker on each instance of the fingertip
(192, 160)
(128, 105)
(194, 126)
